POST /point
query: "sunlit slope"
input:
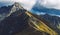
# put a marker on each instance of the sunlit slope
(40, 25)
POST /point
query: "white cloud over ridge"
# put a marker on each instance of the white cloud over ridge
(5, 0)
(40, 13)
(28, 4)
(51, 3)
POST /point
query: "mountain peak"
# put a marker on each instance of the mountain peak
(15, 7)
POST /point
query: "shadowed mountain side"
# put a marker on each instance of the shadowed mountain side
(14, 23)
(30, 31)
(5, 9)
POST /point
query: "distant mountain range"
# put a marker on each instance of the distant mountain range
(16, 20)
(5, 8)
(4, 11)
(5, 3)
(39, 8)
(53, 21)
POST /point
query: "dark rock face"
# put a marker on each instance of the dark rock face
(5, 9)
(14, 23)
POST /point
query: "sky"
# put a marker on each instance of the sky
(51, 3)
(28, 4)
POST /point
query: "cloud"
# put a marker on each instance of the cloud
(27, 4)
(50, 3)
(39, 13)
(5, 0)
